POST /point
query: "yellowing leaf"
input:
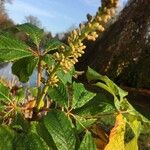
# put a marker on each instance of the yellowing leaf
(116, 138)
(133, 144)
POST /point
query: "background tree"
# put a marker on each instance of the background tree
(122, 52)
(33, 20)
(5, 21)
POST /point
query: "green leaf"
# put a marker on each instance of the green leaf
(59, 94)
(33, 91)
(20, 94)
(49, 60)
(99, 105)
(19, 122)
(19, 142)
(80, 95)
(126, 106)
(106, 84)
(101, 108)
(134, 115)
(30, 141)
(82, 123)
(2, 109)
(65, 77)
(6, 138)
(11, 49)
(88, 142)
(43, 132)
(121, 103)
(24, 68)
(60, 128)
(32, 31)
(93, 75)
(53, 44)
(4, 92)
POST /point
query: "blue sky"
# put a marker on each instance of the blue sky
(55, 15)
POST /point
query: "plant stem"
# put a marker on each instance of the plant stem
(45, 89)
(39, 76)
(41, 98)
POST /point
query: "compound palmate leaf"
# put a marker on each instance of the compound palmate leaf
(12, 49)
(88, 142)
(116, 138)
(23, 68)
(60, 128)
(32, 31)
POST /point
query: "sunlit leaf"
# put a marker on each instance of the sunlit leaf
(106, 84)
(32, 31)
(136, 128)
(133, 115)
(12, 49)
(53, 44)
(116, 138)
(93, 75)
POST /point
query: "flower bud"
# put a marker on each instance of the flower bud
(100, 28)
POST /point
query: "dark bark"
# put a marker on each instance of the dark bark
(123, 51)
